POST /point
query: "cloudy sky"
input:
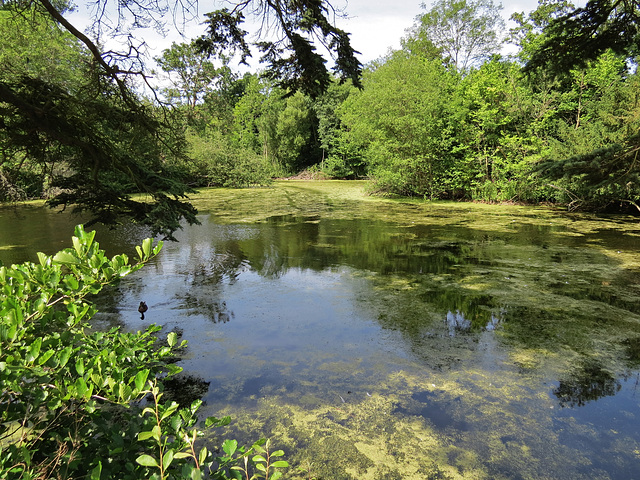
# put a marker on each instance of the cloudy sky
(375, 25)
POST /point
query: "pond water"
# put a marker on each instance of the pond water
(382, 339)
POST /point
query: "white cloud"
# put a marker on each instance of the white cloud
(375, 25)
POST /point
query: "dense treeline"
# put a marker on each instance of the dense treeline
(436, 119)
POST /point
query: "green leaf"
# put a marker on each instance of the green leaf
(141, 378)
(275, 476)
(64, 356)
(230, 447)
(203, 455)
(261, 467)
(172, 339)
(71, 282)
(280, 464)
(46, 356)
(196, 474)
(43, 259)
(147, 461)
(259, 458)
(167, 458)
(145, 435)
(97, 470)
(146, 247)
(176, 422)
(34, 351)
(81, 387)
(66, 258)
(80, 366)
(158, 247)
(182, 455)
(77, 245)
(157, 432)
(169, 411)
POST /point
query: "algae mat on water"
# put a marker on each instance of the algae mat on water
(377, 338)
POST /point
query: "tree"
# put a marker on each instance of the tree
(400, 125)
(529, 31)
(35, 49)
(466, 31)
(590, 50)
(583, 34)
(335, 161)
(190, 72)
(113, 143)
(296, 134)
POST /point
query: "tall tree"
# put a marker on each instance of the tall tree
(529, 32)
(590, 49)
(190, 72)
(401, 124)
(466, 31)
(583, 34)
(113, 142)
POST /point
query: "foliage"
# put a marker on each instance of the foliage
(492, 133)
(220, 162)
(401, 125)
(583, 34)
(529, 33)
(465, 31)
(74, 399)
(190, 72)
(589, 50)
(97, 140)
(296, 23)
(96, 146)
(296, 134)
(335, 161)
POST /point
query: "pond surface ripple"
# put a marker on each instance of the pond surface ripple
(377, 339)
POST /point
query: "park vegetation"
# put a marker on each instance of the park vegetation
(438, 119)
(557, 121)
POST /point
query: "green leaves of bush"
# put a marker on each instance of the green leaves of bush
(72, 397)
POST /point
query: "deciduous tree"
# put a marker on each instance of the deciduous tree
(466, 31)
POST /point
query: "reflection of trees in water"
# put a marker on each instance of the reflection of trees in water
(215, 310)
(632, 347)
(587, 383)
(218, 268)
(184, 389)
(458, 322)
(205, 279)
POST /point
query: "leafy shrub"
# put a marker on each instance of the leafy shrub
(218, 162)
(83, 403)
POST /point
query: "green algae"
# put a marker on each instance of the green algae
(478, 341)
(528, 294)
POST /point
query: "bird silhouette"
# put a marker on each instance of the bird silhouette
(142, 308)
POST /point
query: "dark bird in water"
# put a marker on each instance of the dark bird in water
(142, 308)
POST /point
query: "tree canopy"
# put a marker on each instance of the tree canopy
(98, 139)
(583, 34)
(466, 31)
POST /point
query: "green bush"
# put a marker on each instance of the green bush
(218, 162)
(78, 403)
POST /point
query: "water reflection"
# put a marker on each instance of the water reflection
(587, 383)
(458, 323)
(453, 326)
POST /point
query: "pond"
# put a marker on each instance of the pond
(386, 339)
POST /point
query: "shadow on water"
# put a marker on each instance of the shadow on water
(419, 341)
